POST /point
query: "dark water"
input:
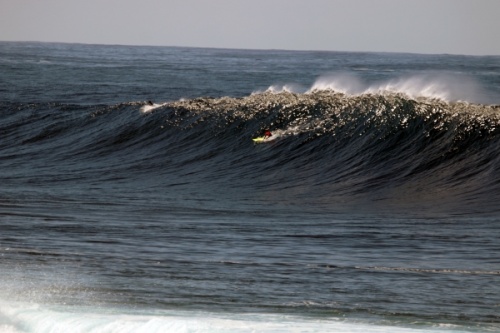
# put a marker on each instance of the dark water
(373, 208)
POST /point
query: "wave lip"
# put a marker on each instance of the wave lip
(282, 88)
(341, 82)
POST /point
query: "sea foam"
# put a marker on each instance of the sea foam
(25, 318)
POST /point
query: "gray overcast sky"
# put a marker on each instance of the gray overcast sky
(420, 26)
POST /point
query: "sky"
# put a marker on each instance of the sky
(469, 27)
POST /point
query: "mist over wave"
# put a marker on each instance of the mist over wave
(445, 86)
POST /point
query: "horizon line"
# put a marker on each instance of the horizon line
(247, 49)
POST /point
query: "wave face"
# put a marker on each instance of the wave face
(331, 151)
(334, 148)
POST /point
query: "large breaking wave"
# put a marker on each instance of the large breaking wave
(332, 150)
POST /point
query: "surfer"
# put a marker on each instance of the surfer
(149, 103)
(266, 137)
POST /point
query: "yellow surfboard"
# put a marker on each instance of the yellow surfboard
(260, 139)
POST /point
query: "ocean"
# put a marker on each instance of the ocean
(133, 199)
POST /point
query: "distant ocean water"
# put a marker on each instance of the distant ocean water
(133, 199)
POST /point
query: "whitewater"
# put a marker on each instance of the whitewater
(133, 198)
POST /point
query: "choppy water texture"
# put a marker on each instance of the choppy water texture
(373, 208)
